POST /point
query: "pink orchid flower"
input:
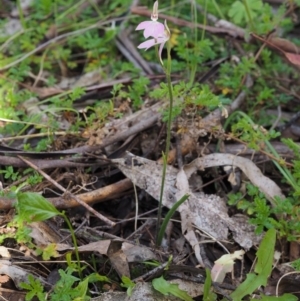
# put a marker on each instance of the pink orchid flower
(161, 38)
(151, 29)
(158, 31)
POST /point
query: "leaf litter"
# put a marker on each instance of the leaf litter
(199, 210)
(204, 217)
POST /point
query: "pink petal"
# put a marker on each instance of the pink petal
(161, 48)
(152, 29)
(143, 25)
(156, 30)
(147, 44)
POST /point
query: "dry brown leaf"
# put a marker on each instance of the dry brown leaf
(119, 262)
(100, 246)
(120, 253)
(32, 108)
(45, 92)
(137, 253)
(142, 291)
(283, 46)
(11, 27)
(43, 234)
(17, 274)
(268, 187)
(4, 278)
(88, 79)
(293, 58)
(200, 209)
(4, 252)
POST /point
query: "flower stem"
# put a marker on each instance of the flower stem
(168, 140)
(74, 242)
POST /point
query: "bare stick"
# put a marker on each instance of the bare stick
(89, 208)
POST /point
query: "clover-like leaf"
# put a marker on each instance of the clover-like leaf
(33, 207)
(238, 11)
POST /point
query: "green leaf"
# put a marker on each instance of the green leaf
(94, 277)
(238, 11)
(33, 207)
(265, 255)
(169, 215)
(50, 251)
(34, 287)
(81, 289)
(128, 284)
(251, 283)
(285, 297)
(64, 289)
(164, 287)
(129, 290)
(208, 295)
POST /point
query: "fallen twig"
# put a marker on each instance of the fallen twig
(89, 208)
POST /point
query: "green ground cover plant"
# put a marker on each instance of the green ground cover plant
(55, 42)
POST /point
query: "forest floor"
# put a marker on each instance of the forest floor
(126, 174)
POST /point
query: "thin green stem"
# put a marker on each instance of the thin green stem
(204, 20)
(168, 140)
(249, 14)
(96, 8)
(194, 16)
(20, 11)
(160, 199)
(74, 242)
(218, 10)
(69, 10)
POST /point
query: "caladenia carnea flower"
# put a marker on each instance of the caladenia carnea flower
(160, 34)
(158, 31)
